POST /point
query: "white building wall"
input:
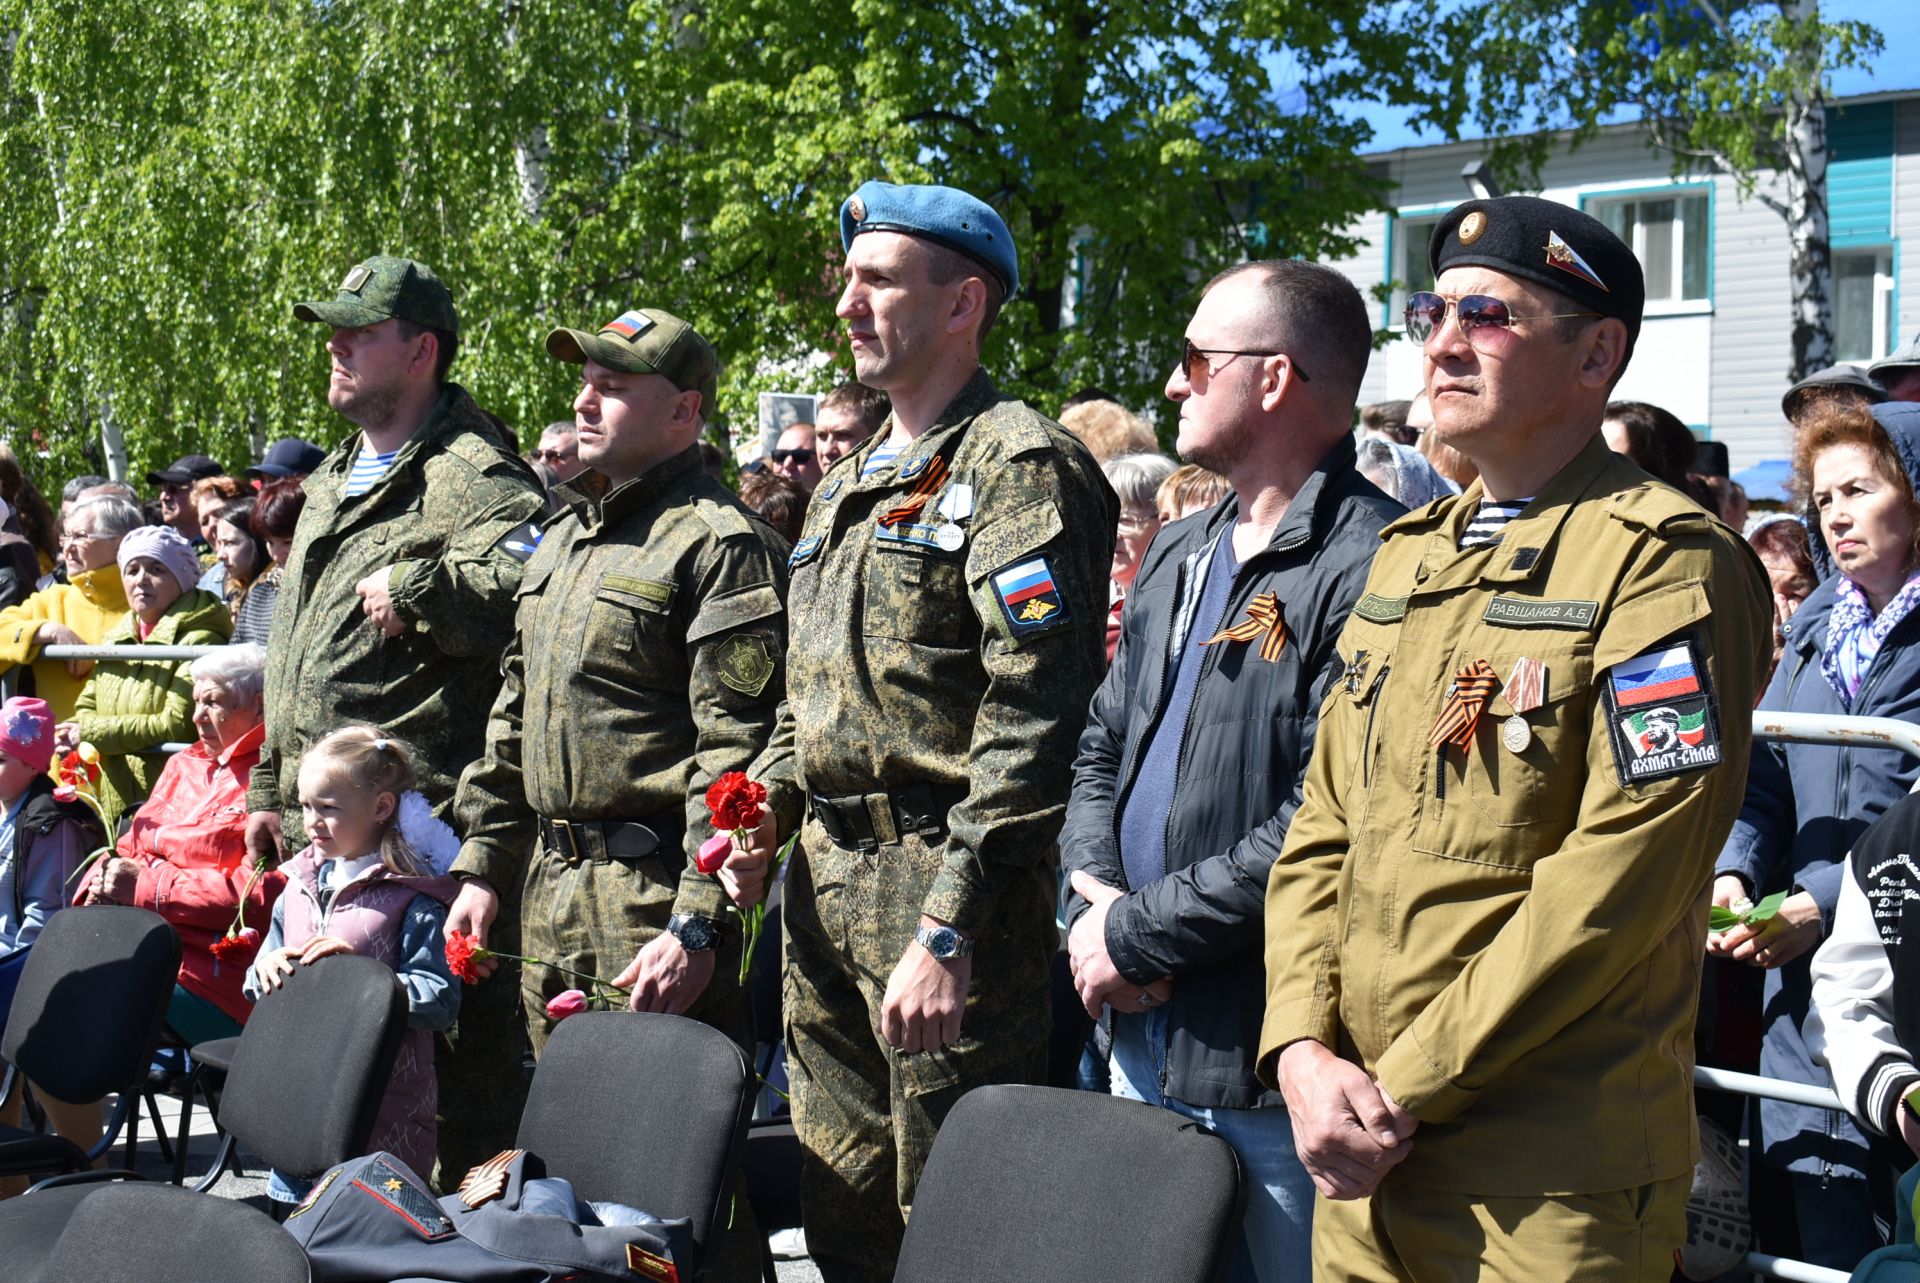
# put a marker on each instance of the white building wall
(1906, 217)
(1752, 336)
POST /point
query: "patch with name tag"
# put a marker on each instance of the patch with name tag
(520, 542)
(1538, 612)
(920, 534)
(1660, 713)
(1376, 609)
(657, 590)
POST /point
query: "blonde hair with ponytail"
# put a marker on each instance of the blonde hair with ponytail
(364, 758)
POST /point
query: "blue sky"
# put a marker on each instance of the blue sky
(1897, 67)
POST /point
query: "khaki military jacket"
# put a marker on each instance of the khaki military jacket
(1509, 937)
(438, 518)
(647, 660)
(964, 657)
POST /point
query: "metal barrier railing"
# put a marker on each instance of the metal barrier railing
(1807, 728)
(98, 654)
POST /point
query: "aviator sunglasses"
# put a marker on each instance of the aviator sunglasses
(1427, 312)
(1193, 359)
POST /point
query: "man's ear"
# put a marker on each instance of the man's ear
(1606, 353)
(969, 306)
(426, 354)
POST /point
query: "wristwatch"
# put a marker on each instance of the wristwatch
(696, 935)
(944, 943)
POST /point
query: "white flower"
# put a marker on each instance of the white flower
(436, 843)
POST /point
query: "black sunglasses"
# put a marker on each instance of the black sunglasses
(803, 454)
(1427, 312)
(1195, 358)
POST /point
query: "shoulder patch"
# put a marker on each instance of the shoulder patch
(520, 542)
(744, 663)
(1029, 597)
(1376, 609)
(803, 552)
(1660, 713)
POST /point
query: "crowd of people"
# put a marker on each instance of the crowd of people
(1379, 825)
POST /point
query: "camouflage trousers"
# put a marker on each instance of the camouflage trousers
(593, 918)
(483, 1086)
(865, 1113)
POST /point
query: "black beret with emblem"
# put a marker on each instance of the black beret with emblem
(1549, 244)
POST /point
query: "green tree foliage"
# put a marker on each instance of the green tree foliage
(173, 177)
(1730, 86)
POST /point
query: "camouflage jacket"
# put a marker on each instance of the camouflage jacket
(658, 637)
(438, 518)
(962, 658)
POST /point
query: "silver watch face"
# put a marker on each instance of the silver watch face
(942, 942)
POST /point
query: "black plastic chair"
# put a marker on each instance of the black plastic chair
(646, 1110)
(1052, 1179)
(310, 1068)
(142, 1232)
(85, 1020)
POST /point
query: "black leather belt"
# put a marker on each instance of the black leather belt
(598, 841)
(868, 821)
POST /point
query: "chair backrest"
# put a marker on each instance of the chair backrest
(88, 1009)
(313, 1063)
(141, 1232)
(1054, 1179)
(646, 1110)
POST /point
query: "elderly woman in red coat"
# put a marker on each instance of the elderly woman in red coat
(185, 855)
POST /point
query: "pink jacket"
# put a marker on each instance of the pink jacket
(189, 838)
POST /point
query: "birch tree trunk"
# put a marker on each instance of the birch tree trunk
(1810, 265)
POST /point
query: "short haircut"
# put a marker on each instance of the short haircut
(240, 670)
(277, 511)
(108, 517)
(1656, 440)
(869, 406)
(1136, 478)
(561, 427)
(72, 489)
(447, 346)
(1385, 416)
(1830, 424)
(1315, 315)
(1190, 488)
(945, 266)
(1109, 429)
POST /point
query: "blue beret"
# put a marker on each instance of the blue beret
(944, 215)
(1549, 244)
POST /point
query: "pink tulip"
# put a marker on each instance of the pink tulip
(713, 852)
(568, 1002)
(250, 936)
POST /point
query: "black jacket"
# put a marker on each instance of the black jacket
(1242, 762)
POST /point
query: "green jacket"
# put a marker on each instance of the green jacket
(657, 636)
(966, 667)
(1508, 936)
(128, 705)
(438, 518)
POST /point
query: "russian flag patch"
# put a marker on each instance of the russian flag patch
(1029, 597)
(1658, 675)
(1660, 714)
(629, 325)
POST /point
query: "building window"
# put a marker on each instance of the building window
(1409, 268)
(1671, 236)
(1862, 303)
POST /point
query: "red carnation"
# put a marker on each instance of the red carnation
(735, 801)
(235, 948)
(462, 952)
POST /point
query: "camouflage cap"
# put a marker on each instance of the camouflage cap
(382, 288)
(646, 341)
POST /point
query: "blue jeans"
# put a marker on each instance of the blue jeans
(1273, 1240)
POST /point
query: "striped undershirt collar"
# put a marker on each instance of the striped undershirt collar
(1490, 519)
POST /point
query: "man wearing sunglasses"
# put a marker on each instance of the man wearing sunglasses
(795, 458)
(1484, 932)
(948, 625)
(1191, 761)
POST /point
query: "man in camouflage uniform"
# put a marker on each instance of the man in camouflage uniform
(949, 604)
(396, 603)
(656, 631)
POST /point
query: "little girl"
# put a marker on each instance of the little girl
(373, 881)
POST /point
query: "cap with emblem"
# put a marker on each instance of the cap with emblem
(385, 288)
(646, 341)
(944, 215)
(1549, 244)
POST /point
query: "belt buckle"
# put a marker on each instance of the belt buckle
(573, 843)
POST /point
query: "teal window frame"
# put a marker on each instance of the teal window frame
(1656, 191)
(1391, 317)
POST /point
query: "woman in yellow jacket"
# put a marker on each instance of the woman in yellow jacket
(82, 611)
